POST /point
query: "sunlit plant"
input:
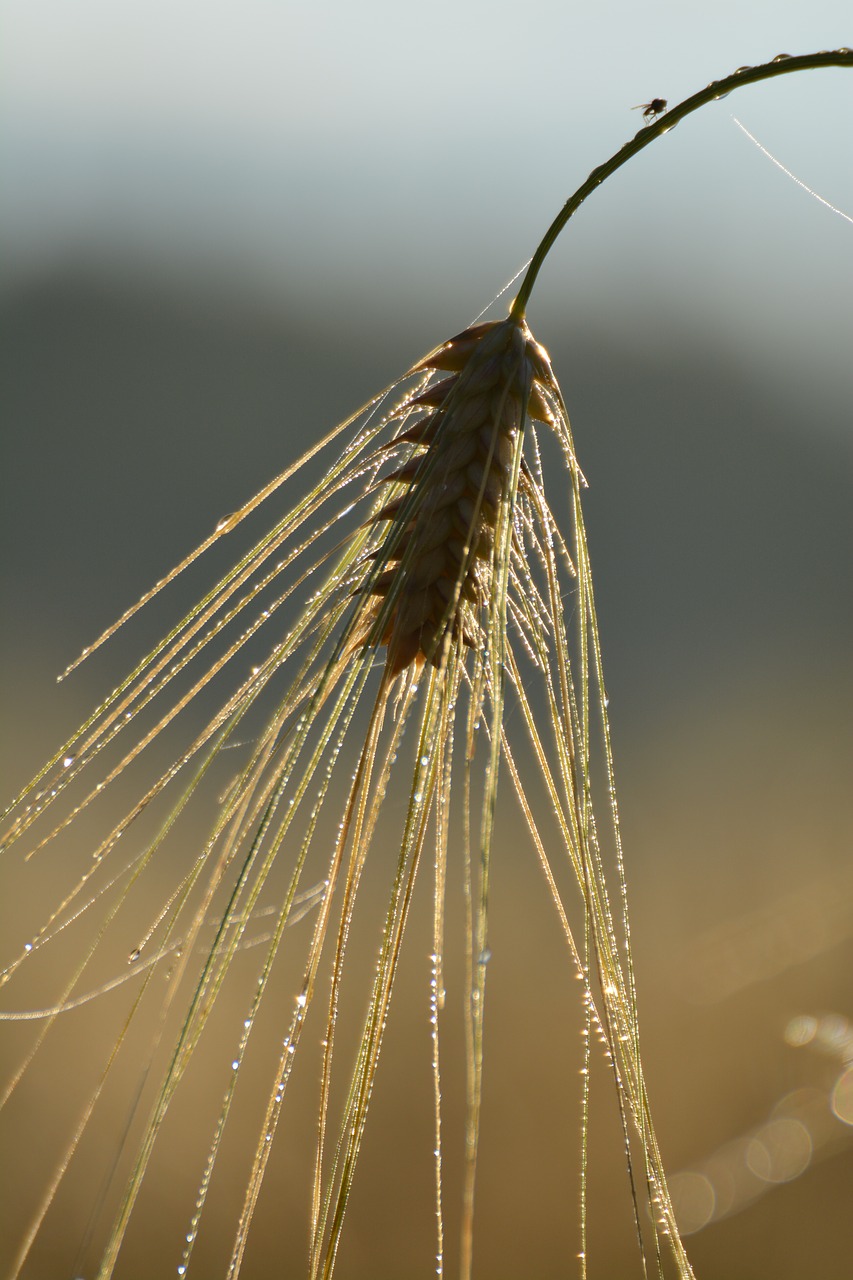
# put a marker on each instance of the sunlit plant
(430, 589)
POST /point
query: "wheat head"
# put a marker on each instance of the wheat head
(440, 526)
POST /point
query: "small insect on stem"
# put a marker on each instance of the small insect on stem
(651, 110)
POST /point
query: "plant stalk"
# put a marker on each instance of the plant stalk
(781, 65)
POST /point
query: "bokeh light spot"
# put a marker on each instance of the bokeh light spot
(801, 1030)
(780, 1151)
(841, 1098)
(834, 1034)
(693, 1199)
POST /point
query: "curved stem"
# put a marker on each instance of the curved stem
(780, 66)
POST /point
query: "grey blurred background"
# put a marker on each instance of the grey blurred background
(224, 226)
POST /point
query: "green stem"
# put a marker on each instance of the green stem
(780, 66)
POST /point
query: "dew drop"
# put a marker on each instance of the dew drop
(302, 1000)
(28, 946)
(68, 761)
(235, 1064)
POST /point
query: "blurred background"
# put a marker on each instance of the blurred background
(224, 227)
